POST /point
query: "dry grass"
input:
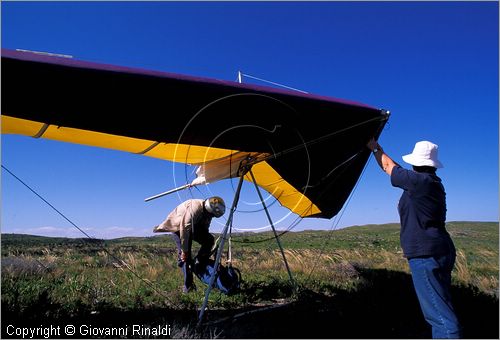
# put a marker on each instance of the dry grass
(462, 272)
(86, 275)
(305, 260)
(341, 266)
(468, 275)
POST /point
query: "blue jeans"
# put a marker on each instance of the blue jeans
(206, 240)
(184, 265)
(432, 281)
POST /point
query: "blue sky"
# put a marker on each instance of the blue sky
(434, 65)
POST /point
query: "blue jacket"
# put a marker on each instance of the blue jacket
(422, 210)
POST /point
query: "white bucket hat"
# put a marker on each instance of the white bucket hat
(424, 154)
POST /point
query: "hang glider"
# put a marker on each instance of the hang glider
(307, 151)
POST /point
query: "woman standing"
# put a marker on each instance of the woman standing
(424, 239)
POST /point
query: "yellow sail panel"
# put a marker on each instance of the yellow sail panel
(21, 126)
(267, 178)
(265, 175)
(98, 139)
(190, 154)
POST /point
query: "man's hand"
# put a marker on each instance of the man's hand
(184, 256)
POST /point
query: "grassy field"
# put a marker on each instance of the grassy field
(352, 283)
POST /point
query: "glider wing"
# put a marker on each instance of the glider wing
(311, 148)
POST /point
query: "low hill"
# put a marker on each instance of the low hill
(484, 234)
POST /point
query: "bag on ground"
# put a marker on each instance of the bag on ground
(228, 278)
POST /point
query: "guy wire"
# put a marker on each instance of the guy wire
(336, 223)
(91, 238)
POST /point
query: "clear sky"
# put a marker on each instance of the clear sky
(434, 65)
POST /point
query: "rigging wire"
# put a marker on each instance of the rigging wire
(270, 82)
(321, 138)
(336, 223)
(298, 218)
(288, 229)
(303, 145)
(92, 238)
(296, 147)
